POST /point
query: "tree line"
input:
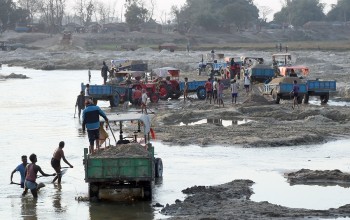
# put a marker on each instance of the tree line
(208, 15)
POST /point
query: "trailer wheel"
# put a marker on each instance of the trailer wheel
(324, 99)
(278, 99)
(158, 167)
(201, 93)
(93, 191)
(164, 92)
(114, 100)
(306, 99)
(154, 97)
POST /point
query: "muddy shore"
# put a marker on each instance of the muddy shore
(255, 121)
(231, 201)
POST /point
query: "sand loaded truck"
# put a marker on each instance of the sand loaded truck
(128, 168)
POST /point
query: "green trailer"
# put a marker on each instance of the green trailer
(128, 168)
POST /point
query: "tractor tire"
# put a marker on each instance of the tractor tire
(201, 93)
(114, 100)
(164, 92)
(158, 167)
(154, 97)
(175, 94)
(306, 98)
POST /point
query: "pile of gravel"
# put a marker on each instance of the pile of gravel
(122, 150)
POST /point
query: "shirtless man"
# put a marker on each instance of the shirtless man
(56, 162)
(30, 177)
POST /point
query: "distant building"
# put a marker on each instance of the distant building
(151, 27)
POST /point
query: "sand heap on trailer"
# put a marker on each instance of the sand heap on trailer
(122, 150)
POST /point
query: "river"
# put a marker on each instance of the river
(37, 113)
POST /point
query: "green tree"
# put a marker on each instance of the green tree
(299, 12)
(215, 14)
(340, 11)
(7, 7)
(135, 14)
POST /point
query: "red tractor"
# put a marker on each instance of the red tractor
(167, 79)
(133, 80)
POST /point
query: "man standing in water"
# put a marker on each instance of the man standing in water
(31, 175)
(56, 162)
(80, 103)
(21, 169)
(92, 123)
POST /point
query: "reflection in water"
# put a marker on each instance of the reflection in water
(217, 121)
(56, 201)
(28, 208)
(135, 211)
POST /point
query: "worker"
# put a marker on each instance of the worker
(21, 169)
(80, 103)
(212, 54)
(30, 177)
(92, 123)
(104, 72)
(144, 101)
(295, 92)
(186, 89)
(56, 162)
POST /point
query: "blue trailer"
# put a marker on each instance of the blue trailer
(112, 93)
(320, 88)
(198, 87)
(261, 73)
(280, 88)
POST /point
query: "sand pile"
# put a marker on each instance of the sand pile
(122, 150)
(256, 98)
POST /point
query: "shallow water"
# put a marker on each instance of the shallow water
(37, 113)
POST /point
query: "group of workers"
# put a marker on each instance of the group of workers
(29, 171)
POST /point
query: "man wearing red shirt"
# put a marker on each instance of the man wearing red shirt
(209, 89)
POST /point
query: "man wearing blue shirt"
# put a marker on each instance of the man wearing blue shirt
(21, 169)
(91, 120)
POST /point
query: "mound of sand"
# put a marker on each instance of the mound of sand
(122, 150)
(256, 98)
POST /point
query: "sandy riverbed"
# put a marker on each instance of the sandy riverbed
(262, 123)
